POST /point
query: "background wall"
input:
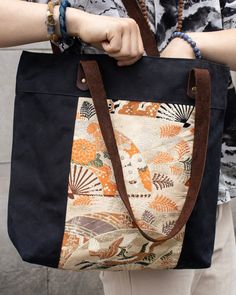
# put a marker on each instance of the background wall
(234, 77)
(17, 277)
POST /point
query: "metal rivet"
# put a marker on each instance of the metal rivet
(194, 88)
(83, 80)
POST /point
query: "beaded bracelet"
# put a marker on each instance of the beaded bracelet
(188, 39)
(50, 21)
(65, 38)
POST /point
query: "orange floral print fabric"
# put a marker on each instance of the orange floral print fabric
(155, 146)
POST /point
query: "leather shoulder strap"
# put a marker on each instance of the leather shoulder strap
(201, 80)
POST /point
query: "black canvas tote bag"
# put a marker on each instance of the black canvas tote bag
(116, 167)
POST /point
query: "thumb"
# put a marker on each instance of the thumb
(106, 45)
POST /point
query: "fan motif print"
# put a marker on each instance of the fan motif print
(155, 142)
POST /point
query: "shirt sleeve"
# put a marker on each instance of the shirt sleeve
(228, 10)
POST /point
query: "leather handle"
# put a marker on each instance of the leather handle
(149, 41)
(202, 81)
(55, 49)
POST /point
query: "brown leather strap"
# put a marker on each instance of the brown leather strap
(149, 41)
(55, 49)
(201, 78)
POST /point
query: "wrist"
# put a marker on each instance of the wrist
(182, 47)
(67, 21)
(74, 21)
(198, 38)
(188, 40)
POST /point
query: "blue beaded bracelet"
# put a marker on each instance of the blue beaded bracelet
(65, 38)
(188, 39)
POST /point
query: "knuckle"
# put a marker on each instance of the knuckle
(125, 25)
(128, 23)
(119, 27)
(142, 51)
(132, 22)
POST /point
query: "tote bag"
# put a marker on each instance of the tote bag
(113, 167)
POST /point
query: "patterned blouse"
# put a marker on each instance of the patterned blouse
(198, 15)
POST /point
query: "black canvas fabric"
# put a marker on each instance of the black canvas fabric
(42, 143)
(200, 230)
(56, 74)
(45, 110)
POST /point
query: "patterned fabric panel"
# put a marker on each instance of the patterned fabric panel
(155, 146)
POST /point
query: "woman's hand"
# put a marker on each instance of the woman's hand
(178, 48)
(119, 37)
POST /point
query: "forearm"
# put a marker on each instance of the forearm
(24, 22)
(218, 46)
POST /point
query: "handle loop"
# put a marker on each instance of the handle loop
(201, 77)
